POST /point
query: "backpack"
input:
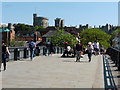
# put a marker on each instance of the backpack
(31, 45)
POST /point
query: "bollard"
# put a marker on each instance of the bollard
(16, 54)
(61, 51)
(26, 52)
(37, 51)
(57, 50)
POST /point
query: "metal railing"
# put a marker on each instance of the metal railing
(115, 56)
(18, 53)
(108, 77)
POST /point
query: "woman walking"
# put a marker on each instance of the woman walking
(5, 54)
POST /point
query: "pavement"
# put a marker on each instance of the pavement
(54, 72)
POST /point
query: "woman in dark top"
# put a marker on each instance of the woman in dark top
(5, 53)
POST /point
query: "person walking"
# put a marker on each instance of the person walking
(32, 46)
(48, 43)
(52, 50)
(65, 49)
(96, 47)
(89, 50)
(79, 49)
(5, 54)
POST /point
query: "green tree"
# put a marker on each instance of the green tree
(90, 35)
(61, 37)
(37, 28)
(22, 27)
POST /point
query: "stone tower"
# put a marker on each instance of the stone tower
(59, 22)
(40, 21)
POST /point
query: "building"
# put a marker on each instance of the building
(59, 22)
(83, 27)
(28, 35)
(116, 42)
(40, 21)
(49, 34)
(12, 32)
(108, 28)
(7, 33)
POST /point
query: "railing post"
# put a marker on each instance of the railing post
(37, 51)
(61, 50)
(26, 52)
(57, 50)
(16, 54)
(119, 61)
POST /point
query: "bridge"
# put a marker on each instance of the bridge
(55, 71)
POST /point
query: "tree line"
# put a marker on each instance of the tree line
(86, 35)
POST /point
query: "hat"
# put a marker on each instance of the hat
(66, 42)
(89, 43)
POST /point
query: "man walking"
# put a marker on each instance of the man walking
(89, 49)
(79, 49)
(32, 46)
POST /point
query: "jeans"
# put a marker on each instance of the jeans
(32, 53)
(89, 56)
(47, 51)
(78, 55)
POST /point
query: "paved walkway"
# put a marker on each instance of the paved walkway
(54, 72)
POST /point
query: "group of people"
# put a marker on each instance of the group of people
(78, 50)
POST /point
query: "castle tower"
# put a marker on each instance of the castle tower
(59, 22)
(62, 23)
(40, 21)
(34, 19)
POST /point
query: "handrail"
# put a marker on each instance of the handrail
(18, 53)
(115, 56)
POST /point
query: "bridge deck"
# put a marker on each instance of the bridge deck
(54, 72)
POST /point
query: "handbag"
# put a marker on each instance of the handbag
(5, 55)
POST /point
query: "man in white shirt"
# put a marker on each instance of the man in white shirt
(96, 47)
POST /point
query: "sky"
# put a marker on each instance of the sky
(73, 13)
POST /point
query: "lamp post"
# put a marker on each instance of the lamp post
(35, 36)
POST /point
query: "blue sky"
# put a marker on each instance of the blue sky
(73, 13)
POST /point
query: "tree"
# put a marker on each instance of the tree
(37, 28)
(22, 27)
(61, 37)
(90, 35)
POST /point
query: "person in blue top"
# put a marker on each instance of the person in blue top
(32, 46)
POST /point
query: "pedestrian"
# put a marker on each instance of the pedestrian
(32, 46)
(52, 49)
(68, 50)
(65, 49)
(89, 50)
(79, 49)
(47, 48)
(96, 47)
(5, 54)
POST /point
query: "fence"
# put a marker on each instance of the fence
(115, 56)
(18, 53)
